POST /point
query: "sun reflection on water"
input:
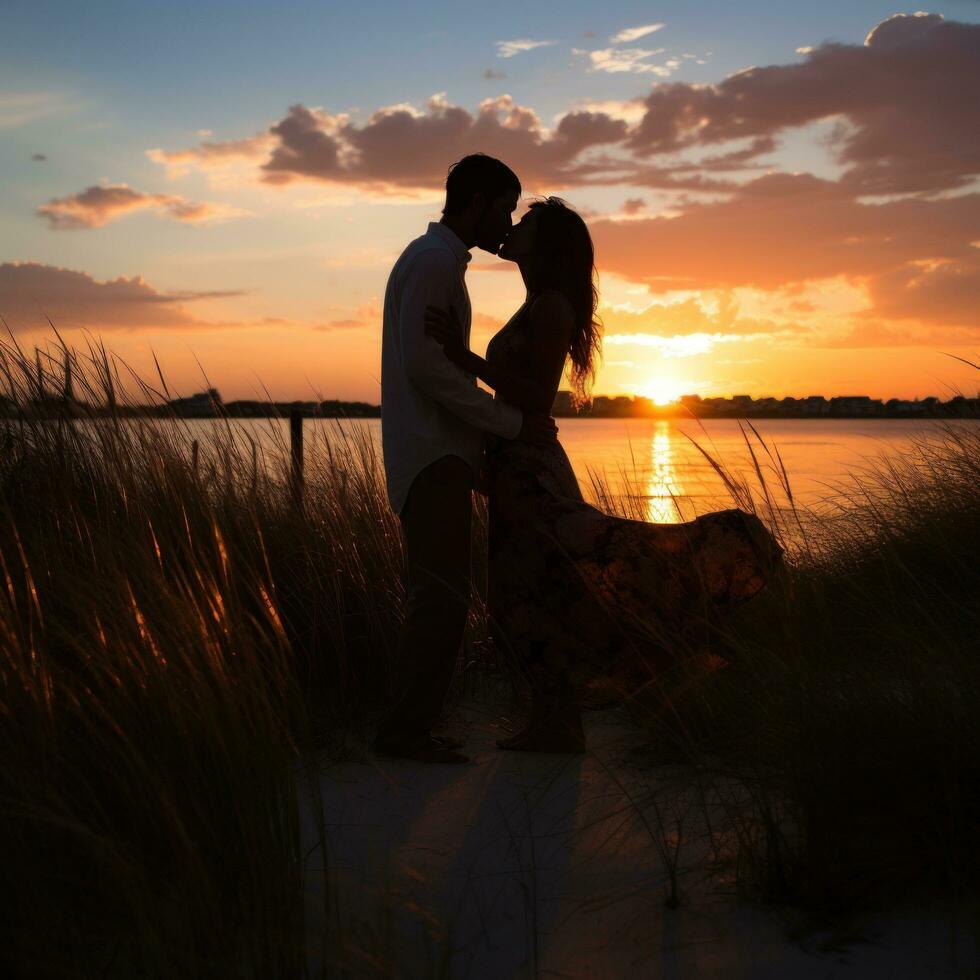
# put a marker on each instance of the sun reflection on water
(662, 486)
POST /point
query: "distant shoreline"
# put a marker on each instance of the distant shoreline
(209, 405)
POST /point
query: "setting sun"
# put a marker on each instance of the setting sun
(662, 390)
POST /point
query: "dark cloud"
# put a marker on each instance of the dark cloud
(910, 118)
(30, 291)
(402, 147)
(305, 149)
(907, 120)
(98, 205)
(905, 128)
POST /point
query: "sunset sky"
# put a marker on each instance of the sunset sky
(784, 198)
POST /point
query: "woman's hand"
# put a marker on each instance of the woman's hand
(446, 329)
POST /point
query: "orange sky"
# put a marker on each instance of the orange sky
(808, 226)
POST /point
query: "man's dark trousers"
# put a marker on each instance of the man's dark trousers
(436, 521)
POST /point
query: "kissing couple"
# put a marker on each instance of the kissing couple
(566, 583)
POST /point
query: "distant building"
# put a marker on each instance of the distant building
(204, 403)
(854, 405)
(901, 406)
(814, 405)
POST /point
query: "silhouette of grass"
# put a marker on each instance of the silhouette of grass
(172, 640)
(838, 731)
(179, 633)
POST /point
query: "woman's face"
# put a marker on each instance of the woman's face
(519, 244)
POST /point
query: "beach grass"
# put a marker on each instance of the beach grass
(180, 631)
(838, 731)
(176, 631)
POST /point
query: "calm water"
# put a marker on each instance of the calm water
(657, 461)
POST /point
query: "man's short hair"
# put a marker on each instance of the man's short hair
(474, 173)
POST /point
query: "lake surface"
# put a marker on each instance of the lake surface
(658, 466)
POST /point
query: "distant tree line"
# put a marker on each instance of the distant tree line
(209, 404)
(744, 406)
(204, 404)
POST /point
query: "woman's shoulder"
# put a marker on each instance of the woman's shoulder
(551, 303)
(549, 309)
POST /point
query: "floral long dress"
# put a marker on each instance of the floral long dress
(582, 598)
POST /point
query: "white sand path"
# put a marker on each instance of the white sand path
(529, 865)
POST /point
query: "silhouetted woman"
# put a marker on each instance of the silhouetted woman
(572, 592)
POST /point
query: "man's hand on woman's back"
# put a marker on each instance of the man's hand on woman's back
(538, 429)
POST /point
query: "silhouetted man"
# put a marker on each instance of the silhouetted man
(433, 419)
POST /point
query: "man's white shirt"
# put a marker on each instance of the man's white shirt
(430, 407)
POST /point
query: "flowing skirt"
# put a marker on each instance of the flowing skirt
(581, 597)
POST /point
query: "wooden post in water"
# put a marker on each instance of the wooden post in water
(296, 451)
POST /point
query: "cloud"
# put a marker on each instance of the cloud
(896, 104)
(366, 315)
(710, 314)
(634, 205)
(629, 110)
(679, 345)
(99, 204)
(913, 255)
(402, 147)
(877, 334)
(31, 290)
(213, 154)
(507, 49)
(20, 108)
(307, 146)
(491, 73)
(616, 60)
(483, 322)
(939, 290)
(906, 123)
(634, 33)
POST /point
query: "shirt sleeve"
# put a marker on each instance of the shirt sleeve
(429, 281)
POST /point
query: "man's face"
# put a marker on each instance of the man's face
(495, 223)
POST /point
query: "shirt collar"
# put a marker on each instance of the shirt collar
(451, 239)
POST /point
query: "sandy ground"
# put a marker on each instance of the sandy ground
(530, 865)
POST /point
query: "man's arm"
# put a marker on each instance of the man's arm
(429, 280)
(551, 324)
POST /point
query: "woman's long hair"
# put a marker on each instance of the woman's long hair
(563, 241)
